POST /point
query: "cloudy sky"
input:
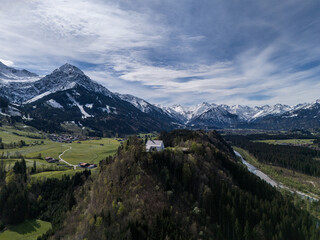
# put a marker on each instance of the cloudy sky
(173, 51)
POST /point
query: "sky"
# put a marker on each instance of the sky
(247, 52)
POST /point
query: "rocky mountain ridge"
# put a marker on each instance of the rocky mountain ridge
(39, 96)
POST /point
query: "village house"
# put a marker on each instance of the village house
(51, 160)
(154, 145)
(87, 165)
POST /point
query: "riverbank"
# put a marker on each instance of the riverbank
(272, 175)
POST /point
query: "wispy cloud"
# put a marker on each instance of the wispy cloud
(173, 51)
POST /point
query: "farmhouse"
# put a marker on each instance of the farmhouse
(51, 160)
(154, 145)
(87, 165)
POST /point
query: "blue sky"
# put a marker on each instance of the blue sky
(171, 51)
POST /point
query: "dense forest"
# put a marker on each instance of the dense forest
(195, 189)
(21, 198)
(301, 159)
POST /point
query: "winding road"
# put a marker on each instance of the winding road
(273, 183)
(62, 160)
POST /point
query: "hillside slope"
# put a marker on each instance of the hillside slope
(195, 189)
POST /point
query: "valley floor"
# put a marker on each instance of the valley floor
(304, 186)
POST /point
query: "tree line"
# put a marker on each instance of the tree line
(22, 198)
(301, 159)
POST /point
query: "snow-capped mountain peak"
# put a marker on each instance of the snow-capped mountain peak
(275, 110)
(63, 78)
(69, 69)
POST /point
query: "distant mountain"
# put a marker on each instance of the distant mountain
(148, 108)
(303, 116)
(215, 117)
(67, 94)
(187, 114)
(277, 117)
(9, 73)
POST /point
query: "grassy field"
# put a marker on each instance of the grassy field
(91, 151)
(29, 230)
(289, 178)
(87, 151)
(11, 134)
(288, 141)
(149, 135)
(54, 174)
(9, 163)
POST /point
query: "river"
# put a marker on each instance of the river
(273, 183)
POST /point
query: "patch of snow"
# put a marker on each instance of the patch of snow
(38, 97)
(54, 104)
(27, 118)
(89, 105)
(13, 79)
(83, 112)
(14, 112)
(4, 114)
(291, 116)
(106, 109)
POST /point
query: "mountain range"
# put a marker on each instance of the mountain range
(67, 95)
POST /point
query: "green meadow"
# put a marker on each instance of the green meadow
(289, 141)
(28, 230)
(91, 151)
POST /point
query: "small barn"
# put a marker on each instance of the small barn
(154, 145)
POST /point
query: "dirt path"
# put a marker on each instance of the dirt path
(62, 160)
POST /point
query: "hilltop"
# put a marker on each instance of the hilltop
(195, 189)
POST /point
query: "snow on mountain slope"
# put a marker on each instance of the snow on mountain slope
(186, 114)
(139, 103)
(200, 109)
(150, 109)
(244, 112)
(216, 117)
(275, 110)
(21, 86)
(53, 103)
(67, 77)
(28, 90)
(175, 112)
(9, 73)
(38, 97)
(83, 112)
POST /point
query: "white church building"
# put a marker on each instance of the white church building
(154, 145)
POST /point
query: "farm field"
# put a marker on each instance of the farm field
(87, 151)
(90, 151)
(288, 141)
(28, 230)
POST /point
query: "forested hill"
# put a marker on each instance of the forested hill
(195, 189)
